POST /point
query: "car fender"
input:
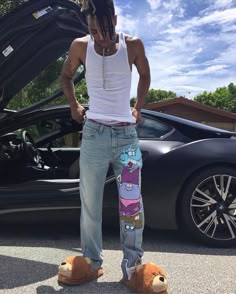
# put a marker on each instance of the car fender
(165, 173)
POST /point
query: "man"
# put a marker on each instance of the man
(109, 134)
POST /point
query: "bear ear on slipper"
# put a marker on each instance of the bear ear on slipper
(77, 270)
(148, 279)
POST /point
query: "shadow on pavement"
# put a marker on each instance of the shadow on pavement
(90, 288)
(17, 272)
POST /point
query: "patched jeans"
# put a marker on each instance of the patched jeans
(101, 146)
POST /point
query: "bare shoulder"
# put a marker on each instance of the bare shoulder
(134, 43)
(133, 40)
(78, 49)
(80, 43)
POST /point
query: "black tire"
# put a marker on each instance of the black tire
(209, 217)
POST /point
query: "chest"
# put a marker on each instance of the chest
(130, 54)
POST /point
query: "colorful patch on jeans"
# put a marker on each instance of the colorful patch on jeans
(129, 210)
(129, 192)
(135, 222)
(131, 157)
(130, 176)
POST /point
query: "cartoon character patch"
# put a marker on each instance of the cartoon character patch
(131, 157)
(134, 222)
(129, 190)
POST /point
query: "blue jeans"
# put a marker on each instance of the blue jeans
(103, 145)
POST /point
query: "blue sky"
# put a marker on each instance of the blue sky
(190, 44)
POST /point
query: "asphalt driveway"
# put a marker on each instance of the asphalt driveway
(29, 258)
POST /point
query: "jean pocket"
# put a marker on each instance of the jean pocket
(89, 132)
(131, 132)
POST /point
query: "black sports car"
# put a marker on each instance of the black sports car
(189, 171)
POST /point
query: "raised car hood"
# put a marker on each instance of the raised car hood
(32, 36)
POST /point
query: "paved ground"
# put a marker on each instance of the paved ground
(29, 258)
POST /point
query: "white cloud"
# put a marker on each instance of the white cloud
(190, 54)
(222, 3)
(229, 28)
(222, 18)
(154, 4)
(228, 56)
(208, 70)
(199, 50)
(219, 16)
(154, 18)
(126, 22)
(172, 5)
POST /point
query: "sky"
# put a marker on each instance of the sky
(190, 44)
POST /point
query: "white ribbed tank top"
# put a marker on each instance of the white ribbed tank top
(108, 80)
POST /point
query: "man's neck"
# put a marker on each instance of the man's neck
(108, 49)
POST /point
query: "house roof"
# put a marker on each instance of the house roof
(191, 103)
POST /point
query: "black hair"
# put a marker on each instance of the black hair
(102, 9)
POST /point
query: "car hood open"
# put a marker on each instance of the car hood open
(33, 35)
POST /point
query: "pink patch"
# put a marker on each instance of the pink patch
(126, 202)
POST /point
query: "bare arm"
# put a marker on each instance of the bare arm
(142, 65)
(69, 68)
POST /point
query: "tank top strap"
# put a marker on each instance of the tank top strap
(90, 42)
(122, 39)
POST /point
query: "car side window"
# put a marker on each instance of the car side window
(42, 128)
(50, 128)
(72, 140)
(150, 128)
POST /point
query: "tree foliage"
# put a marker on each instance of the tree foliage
(43, 85)
(7, 5)
(155, 96)
(46, 83)
(223, 98)
(81, 92)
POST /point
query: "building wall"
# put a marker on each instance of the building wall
(199, 115)
(226, 126)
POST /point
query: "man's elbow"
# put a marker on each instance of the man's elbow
(145, 78)
(64, 80)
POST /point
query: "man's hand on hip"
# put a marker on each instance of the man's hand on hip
(137, 115)
(78, 113)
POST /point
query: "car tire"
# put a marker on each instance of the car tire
(205, 209)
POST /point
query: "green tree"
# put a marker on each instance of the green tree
(155, 96)
(44, 84)
(7, 5)
(223, 98)
(81, 92)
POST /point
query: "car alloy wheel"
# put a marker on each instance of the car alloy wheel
(213, 207)
(211, 201)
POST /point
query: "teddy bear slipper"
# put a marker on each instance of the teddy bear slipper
(148, 279)
(77, 270)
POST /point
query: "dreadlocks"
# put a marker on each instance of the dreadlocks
(101, 9)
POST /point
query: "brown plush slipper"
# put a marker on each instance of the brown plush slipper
(148, 279)
(77, 270)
